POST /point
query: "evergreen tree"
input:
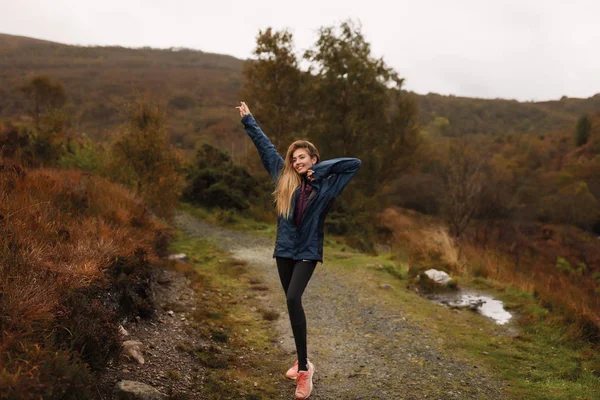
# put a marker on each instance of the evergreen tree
(583, 130)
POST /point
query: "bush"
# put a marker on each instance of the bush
(84, 154)
(182, 102)
(89, 327)
(133, 279)
(214, 181)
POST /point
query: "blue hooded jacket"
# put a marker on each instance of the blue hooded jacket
(304, 242)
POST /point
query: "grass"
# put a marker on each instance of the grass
(540, 364)
(241, 361)
(231, 219)
(66, 240)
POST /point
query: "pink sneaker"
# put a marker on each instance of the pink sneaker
(292, 373)
(304, 381)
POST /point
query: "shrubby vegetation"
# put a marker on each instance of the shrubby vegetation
(60, 231)
(142, 158)
(214, 181)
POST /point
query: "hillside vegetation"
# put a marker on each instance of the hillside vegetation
(200, 88)
(75, 257)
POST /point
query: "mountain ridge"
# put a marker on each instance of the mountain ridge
(200, 89)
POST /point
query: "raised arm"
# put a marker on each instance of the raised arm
(269, 156)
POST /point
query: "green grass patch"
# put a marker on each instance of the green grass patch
(243, 362)
(231, 219)
(539, 364)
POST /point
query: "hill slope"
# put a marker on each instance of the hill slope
(201, 88)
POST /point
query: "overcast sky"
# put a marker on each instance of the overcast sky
(521, 49)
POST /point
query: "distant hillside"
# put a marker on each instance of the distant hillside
(202, 88)
(497, 116)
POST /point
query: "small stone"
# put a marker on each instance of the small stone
(171, 313)
(136, 390)
(133, 349)
(123, 331)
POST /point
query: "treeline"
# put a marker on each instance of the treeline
(198, 89)
(459, 116)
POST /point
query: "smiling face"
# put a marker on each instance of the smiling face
(301, 161)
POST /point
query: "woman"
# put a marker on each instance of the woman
(304, 191)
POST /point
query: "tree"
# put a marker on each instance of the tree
(42, 96)
(358, 107)
(464, 185)
(273, 87)
(401, 140)
(583, 130)
(144, 159)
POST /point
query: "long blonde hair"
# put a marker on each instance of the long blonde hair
(289, 180)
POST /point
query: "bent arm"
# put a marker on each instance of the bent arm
(269, 156)
(341, 170)
(343, 165)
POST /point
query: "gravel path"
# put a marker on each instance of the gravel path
(361, 347)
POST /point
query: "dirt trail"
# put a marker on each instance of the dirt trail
(361, 347)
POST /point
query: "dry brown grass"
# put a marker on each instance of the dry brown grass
(526, 262)
(59, 232)
(428, 241)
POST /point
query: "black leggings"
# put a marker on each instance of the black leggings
(294, 275)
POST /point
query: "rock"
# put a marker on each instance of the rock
(378, 266)
(133, 350)
(386, 286)
(179, 257)
(133, 390)
(438, 276)
(171, 313)
(123, 331)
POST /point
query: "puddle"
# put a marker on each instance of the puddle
(467, 298)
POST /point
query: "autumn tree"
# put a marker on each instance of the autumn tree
(43, 96)
(464, 180)
(273, 87)
(144, 159)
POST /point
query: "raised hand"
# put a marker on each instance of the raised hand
(243, 108)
